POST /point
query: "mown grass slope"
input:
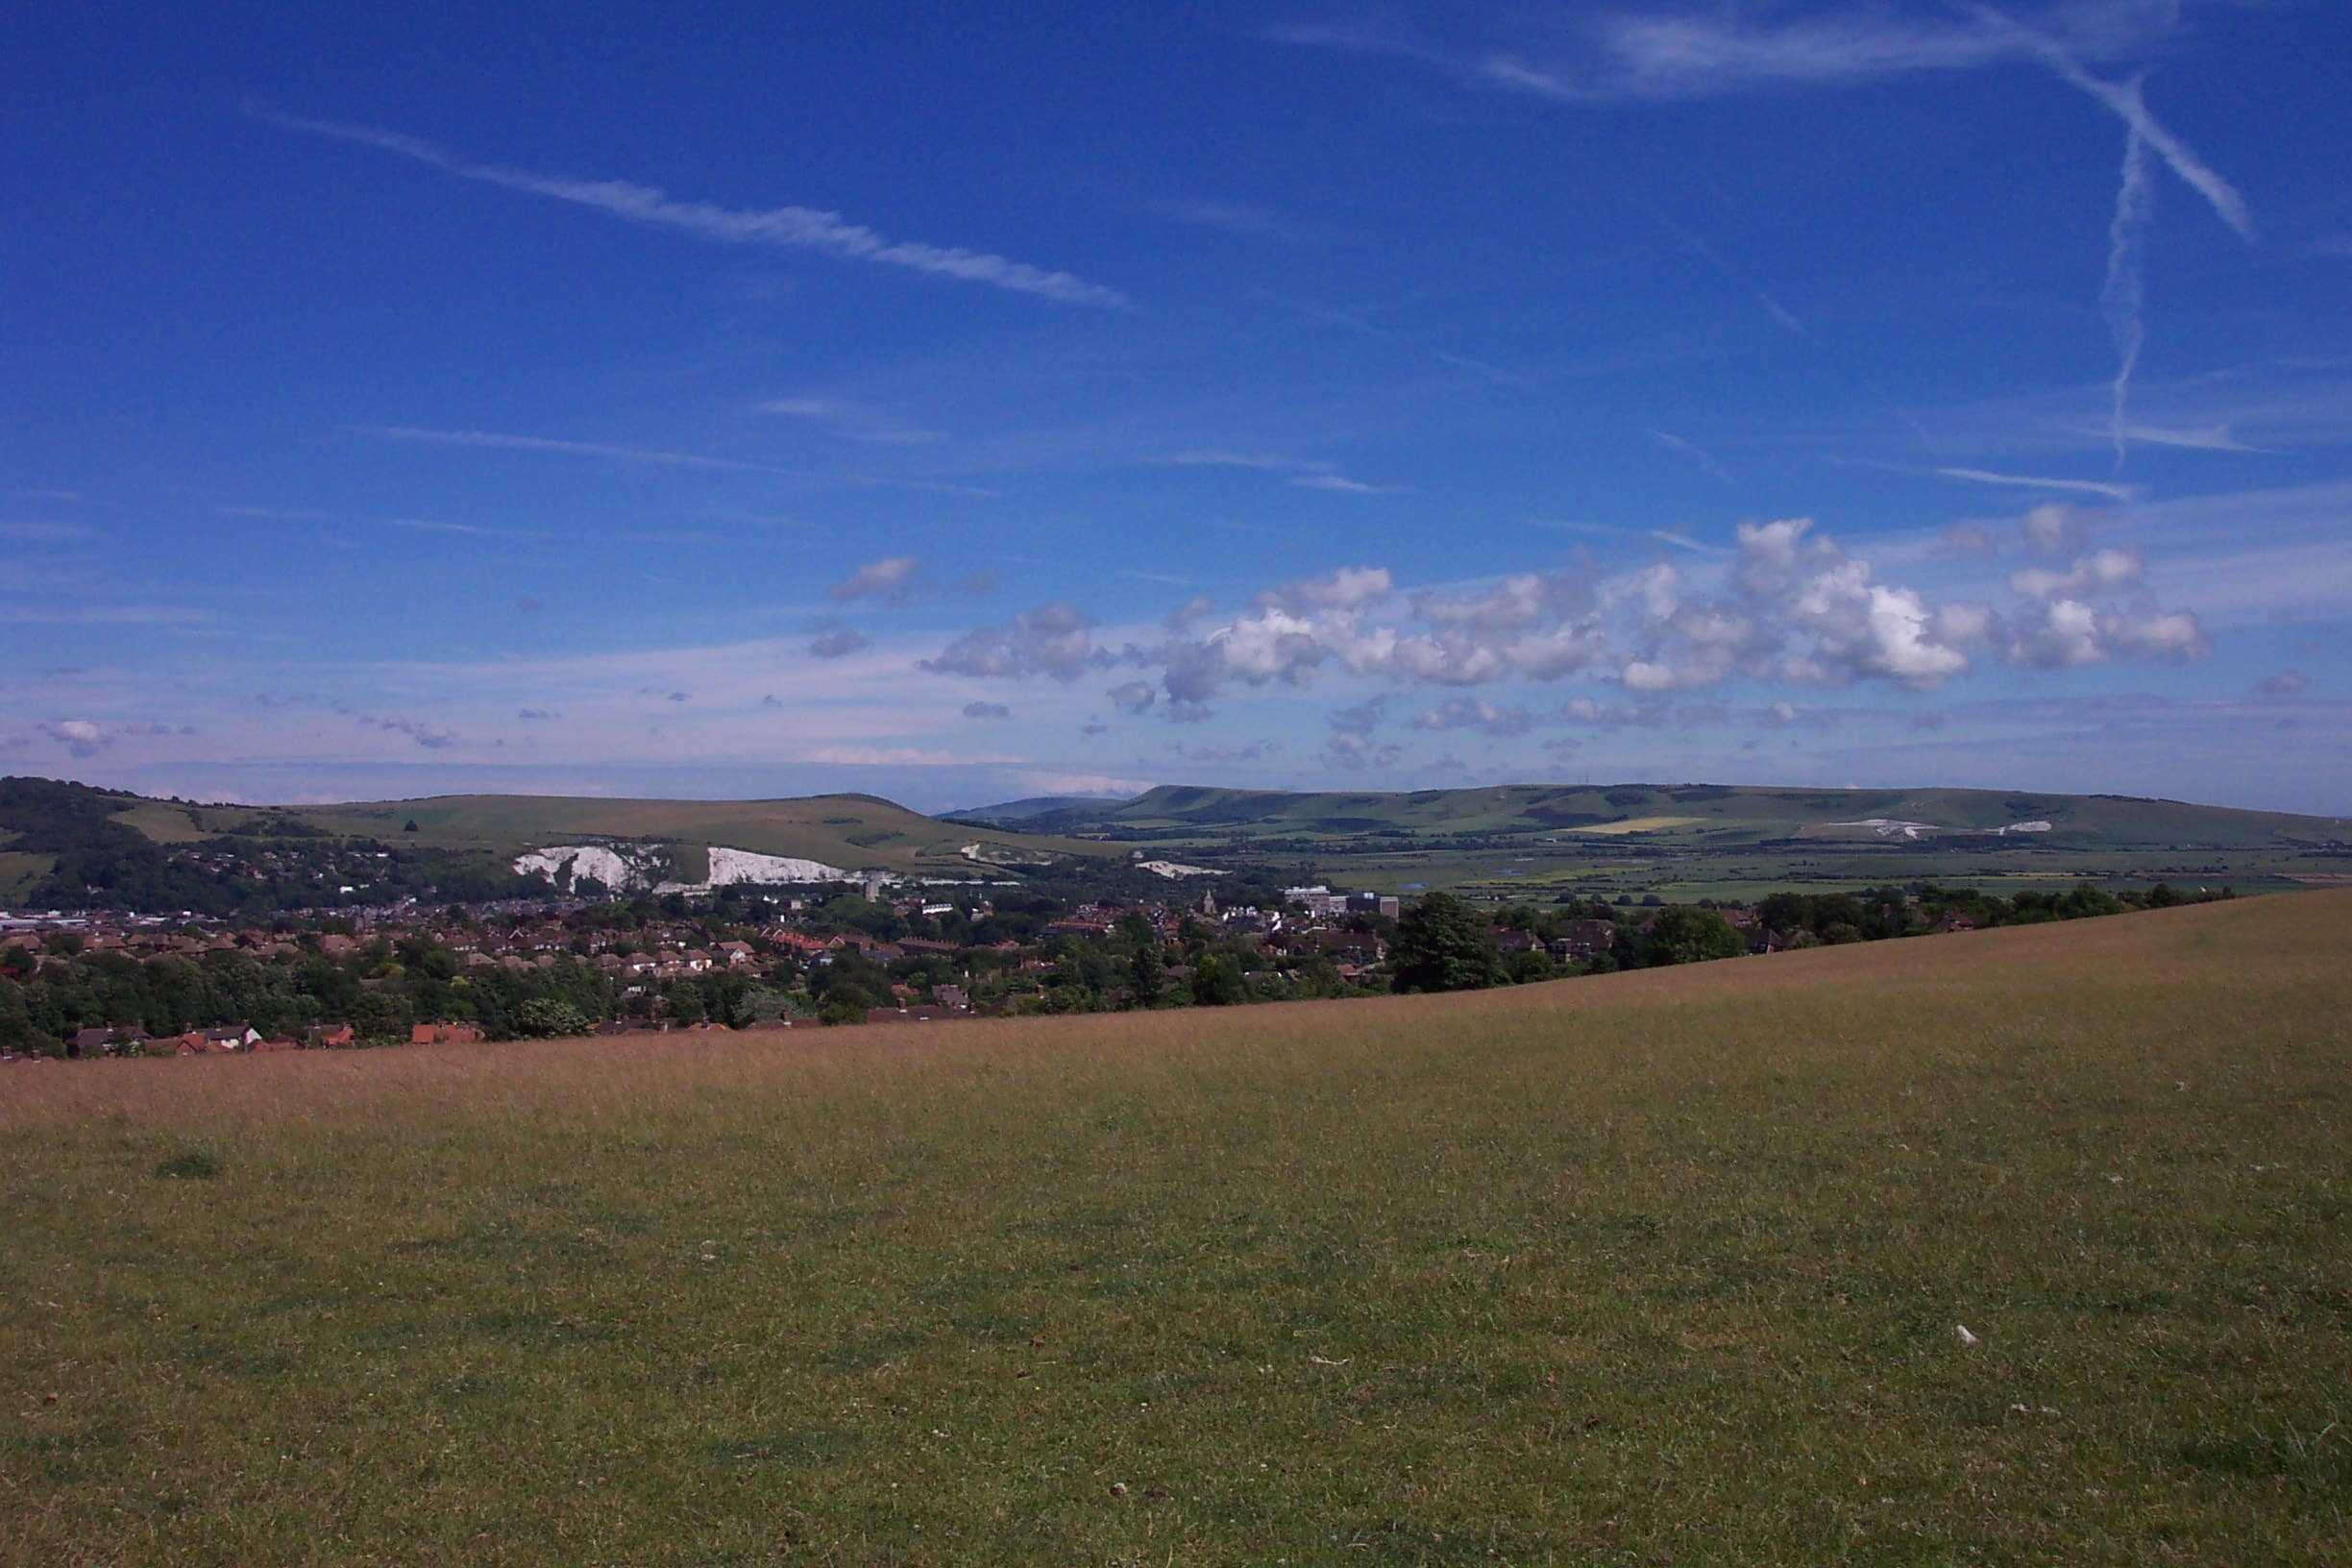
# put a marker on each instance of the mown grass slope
(1659, 1267)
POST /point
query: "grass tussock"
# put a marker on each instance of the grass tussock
(1663, 1266)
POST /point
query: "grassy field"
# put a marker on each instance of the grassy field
(1687, 841)
(1605, 866)
(850, 830)
(20, 871)
(1663, 1267)
(1697, 814)
(1520, 841)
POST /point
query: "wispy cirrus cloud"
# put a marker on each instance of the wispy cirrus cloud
(474, 531)
(1348, 321)
(608, 452)
(44, 533)
(270, 514)
(105, 615)
(2122, 296)
(498, 441)
(1661, 54)
(1242, 218)
(1305, 474)
(1340, 484)
(2035, 481)
(2127, 102)
(851, 421)
(786, 228)
(1685, 448)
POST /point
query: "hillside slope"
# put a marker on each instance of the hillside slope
(68, 843)
(1029, 807)
(1666, 1265)
(1718, 814)
(847, 830)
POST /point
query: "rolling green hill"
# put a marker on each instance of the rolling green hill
(1679, 842)
(848, 831)
(1713, 814)
(69, 845)
(1005, 813)
(1686, 842)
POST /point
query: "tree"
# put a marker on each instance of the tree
(16, 1030)
(1217, 981)
(381, 1015)
(1786, 913)
(1528, 966)
(1144, 974)
(545, 1018)
(411, 827)
(2086, 901)
(844, 1004)
(1683, 935)
(682, 1001)
(1443, 944)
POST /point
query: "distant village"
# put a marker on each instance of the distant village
(100, 984)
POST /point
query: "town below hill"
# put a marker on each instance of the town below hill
(111, 985)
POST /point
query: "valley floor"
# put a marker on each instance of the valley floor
(1667, 1266)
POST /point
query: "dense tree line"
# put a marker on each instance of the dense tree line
(379, 989)
(1879, 912)
(1440, 944)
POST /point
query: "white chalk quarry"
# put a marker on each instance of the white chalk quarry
(630, 867)
(568, 863)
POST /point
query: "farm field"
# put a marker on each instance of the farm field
(1669, 1266)
(1688, 842)
(1723, 812)
(1685, 873)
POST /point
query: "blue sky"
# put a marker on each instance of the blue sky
(1075, 399)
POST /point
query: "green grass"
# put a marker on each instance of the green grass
(19, 872)
(1695, 840)
(166, 824)
(1693, 814)
(1663, 1266)
(847, 830)
(1709, 841)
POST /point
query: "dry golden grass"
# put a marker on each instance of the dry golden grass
(1665, 1265)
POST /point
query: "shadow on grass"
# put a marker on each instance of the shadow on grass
(2320, 1461)
(189, 1166)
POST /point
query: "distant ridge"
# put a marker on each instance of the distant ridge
(1029, 807)
(112, 839)
(1714, 814)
